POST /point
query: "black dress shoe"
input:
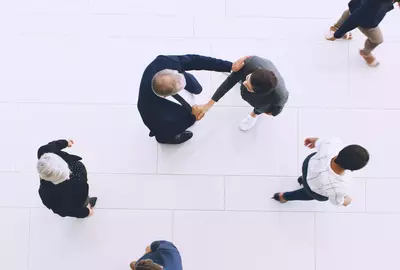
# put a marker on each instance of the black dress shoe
(92, 201)
(300, 180)
(178, 139)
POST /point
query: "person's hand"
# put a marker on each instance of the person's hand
(91, 211)
(132, 265)
(238, 64)
(310, 142)
(70, 143)
(148, 249)
(199, 111)
(347, 201)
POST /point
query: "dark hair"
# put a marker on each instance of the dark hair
(352, 157)
(263, 80)
(147, 265)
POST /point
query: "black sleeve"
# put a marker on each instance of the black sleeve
(81, 213)
(52, 147)
(227, 85)
(199, 62)
(156, 245)
(45, 199)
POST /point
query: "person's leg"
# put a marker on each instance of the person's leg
(176, 139)
(336, 26)
(192, 85)
(297, 195)
(344, 17)
(250, 120)
(374, 39)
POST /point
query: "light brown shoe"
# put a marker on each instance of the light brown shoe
(369, 59)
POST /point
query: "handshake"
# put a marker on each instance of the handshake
(200, 110)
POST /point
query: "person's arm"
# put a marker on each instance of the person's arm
(353, 20)
(83, 212)
(227, 85)
(199, 62)
(156, 245)
(338, 200)
(54, 147)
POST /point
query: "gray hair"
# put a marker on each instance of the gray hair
(167, 82)
(53, 168)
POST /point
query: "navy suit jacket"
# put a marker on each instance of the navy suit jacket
(164, 253)
(161, 116)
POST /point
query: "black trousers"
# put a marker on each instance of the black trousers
(305, 193)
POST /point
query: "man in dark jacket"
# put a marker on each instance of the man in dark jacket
(366, 15)
(159, 255)
(262, 86)
(165, 112)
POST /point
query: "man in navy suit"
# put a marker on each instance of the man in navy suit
(166, 102)
(159, 255)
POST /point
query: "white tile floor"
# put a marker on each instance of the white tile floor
(71, 69)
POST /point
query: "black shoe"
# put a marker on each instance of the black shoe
(277, 198)
(178, 139)
(300, 180)
(92, 201)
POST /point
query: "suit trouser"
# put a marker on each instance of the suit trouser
(374, 35)
(305, 193)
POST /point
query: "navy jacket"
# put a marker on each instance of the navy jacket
(68, 197)
(366, 14)
(161, 116)
(164, 253)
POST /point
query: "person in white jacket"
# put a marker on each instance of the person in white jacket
(326, 172)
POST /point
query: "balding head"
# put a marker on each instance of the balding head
(168, 82)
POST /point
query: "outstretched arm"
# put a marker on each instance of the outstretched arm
(54, 146)
(200, 62)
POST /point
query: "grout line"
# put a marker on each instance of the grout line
(308, 107)
(201, 174)
(365, 190)
(29, 238)
(225, 10)
(298, 145)
(224, 193)
(315, 241)
(222, 211)
(173, 226)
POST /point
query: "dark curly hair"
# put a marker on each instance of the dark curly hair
(263, 80)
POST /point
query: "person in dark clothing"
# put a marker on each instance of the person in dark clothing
(262, 86)
(63, 181)
(166, 102)
(366, 15)
(159, 255)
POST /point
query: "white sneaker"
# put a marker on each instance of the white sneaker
(248, 122)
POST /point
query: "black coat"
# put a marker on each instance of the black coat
(68, 197)
(366, 14)
(161, 116)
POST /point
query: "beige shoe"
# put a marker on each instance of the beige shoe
(370, 59)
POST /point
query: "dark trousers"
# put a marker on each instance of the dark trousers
(257, 112)
(305, 193)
